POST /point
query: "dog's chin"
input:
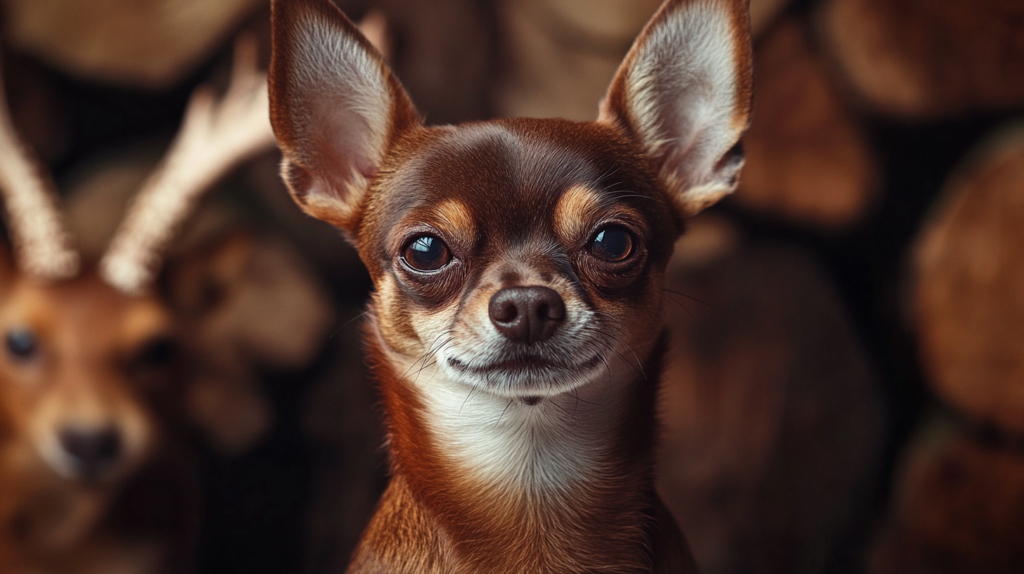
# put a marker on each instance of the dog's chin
(529, 378)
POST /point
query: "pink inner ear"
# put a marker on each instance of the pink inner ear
(345, 156)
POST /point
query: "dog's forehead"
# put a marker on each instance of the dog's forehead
(512, 173)
(520, 167)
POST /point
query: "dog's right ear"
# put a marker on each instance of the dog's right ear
(684, 93)
(335, 106)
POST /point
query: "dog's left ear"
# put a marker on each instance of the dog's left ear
(684, 93)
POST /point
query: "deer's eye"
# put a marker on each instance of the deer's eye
(158, 353)
(613, 243)
(22, 343)
(426, 253)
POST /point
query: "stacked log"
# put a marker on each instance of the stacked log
(958, 508)
(807, 158)
(969, 289)
(443, 52)
(558, 56)
(921, 59)
(772, 418)
(142, 43)
(958, 504)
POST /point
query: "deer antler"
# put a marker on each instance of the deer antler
(214, 137)
(41, 243)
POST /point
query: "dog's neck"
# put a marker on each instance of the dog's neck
(484, 471)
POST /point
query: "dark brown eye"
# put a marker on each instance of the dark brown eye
(426, 253)
(613, 243)
(21, 344)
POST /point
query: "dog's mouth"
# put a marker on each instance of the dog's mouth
(529, 378)
(530, 365)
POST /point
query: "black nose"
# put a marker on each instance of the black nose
(527, 314)
(91, 449)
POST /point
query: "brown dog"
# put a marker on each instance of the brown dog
(516, 328)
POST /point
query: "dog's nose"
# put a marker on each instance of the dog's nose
(91, 449)
(527, 314)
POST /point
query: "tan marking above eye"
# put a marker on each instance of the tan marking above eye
(456, 220)
(576, 211)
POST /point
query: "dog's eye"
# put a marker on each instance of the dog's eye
(613, 243)
(426, 253)
(22, 343)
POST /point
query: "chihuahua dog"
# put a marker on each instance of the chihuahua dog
(515, 327)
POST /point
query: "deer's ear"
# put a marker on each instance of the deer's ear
(335, 106)
(684, 93)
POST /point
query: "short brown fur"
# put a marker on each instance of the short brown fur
(515, 329)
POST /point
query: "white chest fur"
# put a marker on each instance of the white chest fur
(561, 441)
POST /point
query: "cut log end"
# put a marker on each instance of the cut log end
(143, 43)
(923, 59)
(807, 159)
(969, 290)
(958, 507)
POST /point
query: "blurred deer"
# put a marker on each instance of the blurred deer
(93, 475)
